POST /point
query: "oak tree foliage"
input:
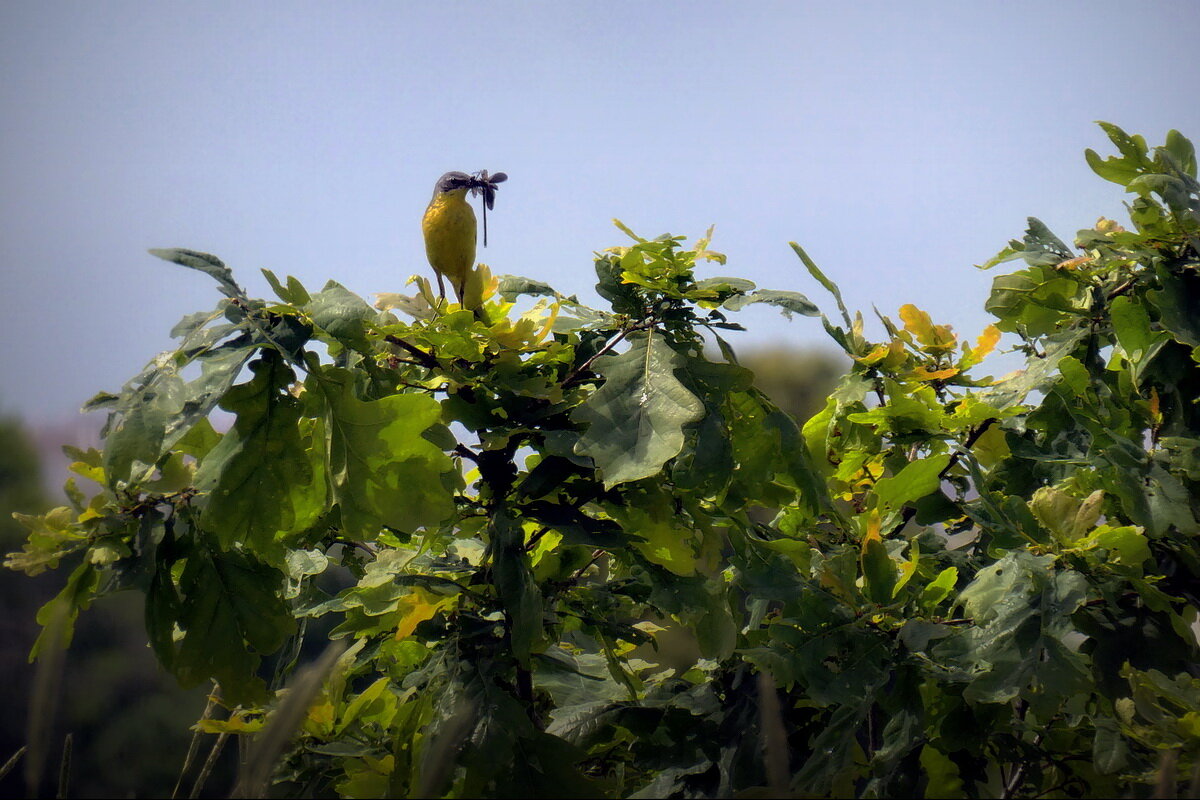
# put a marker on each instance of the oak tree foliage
(970, 586)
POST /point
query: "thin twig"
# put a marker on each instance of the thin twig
(209, 764)
(12, 762)
(535, 538)
(409, 385)
(367, 548)
(466, 452)
(910, 511)
(194, 747)
(64, 768)
(607, 348)
(596, 556)
(252, 317)
(1122, 289)
(1018, 775)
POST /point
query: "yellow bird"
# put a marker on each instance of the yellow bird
(449, 228)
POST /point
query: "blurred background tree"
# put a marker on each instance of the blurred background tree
(20, 481)
(20, 491)
(129, 721)
(798, 380)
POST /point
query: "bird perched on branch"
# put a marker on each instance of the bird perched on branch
(450, 230)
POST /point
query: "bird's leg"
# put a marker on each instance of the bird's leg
(441, 286)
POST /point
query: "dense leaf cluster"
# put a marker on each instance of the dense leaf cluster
(968, 587)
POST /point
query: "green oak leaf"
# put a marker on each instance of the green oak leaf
(1131, 325)
(342, 314)
(159, 406)
(58, 616)
(382, 469)
(259, 476)
(1040, 373)
(879, 571)
(917, 479)
(203, 262)
(292, 292)
(942, 773)
(790, 302)
(635, 420)
(230, 612)
(1021, 608)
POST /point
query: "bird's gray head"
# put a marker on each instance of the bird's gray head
(453, 180)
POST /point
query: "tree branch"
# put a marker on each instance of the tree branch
(909, 511)
(605, 350)
(425, 359)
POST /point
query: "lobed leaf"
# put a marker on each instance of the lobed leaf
(635, 420)
(382, 469)
(259, 476)
(230, 613)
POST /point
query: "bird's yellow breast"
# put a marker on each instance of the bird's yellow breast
(449, 228)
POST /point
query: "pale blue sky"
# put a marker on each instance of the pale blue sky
(900, 143)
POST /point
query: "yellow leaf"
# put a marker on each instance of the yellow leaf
(480, 287)
(926, 374)
(665, 541)
(983, 346)
(528, 331)
(320, 718)
(907, 570)
(944, 338)
(874, 523)
(96, 508)
(986, 342)
(932, 337)
(416, 607)
(88, 471)
(991, 448)
(420, 305)
(383, 766)
(1074, 263)
(876, 355)
(235, 724)
(896, 356)
(918, 323)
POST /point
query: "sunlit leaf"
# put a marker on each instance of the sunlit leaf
(382, 469)
(913, 482)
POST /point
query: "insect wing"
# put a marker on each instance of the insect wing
(488, 185)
